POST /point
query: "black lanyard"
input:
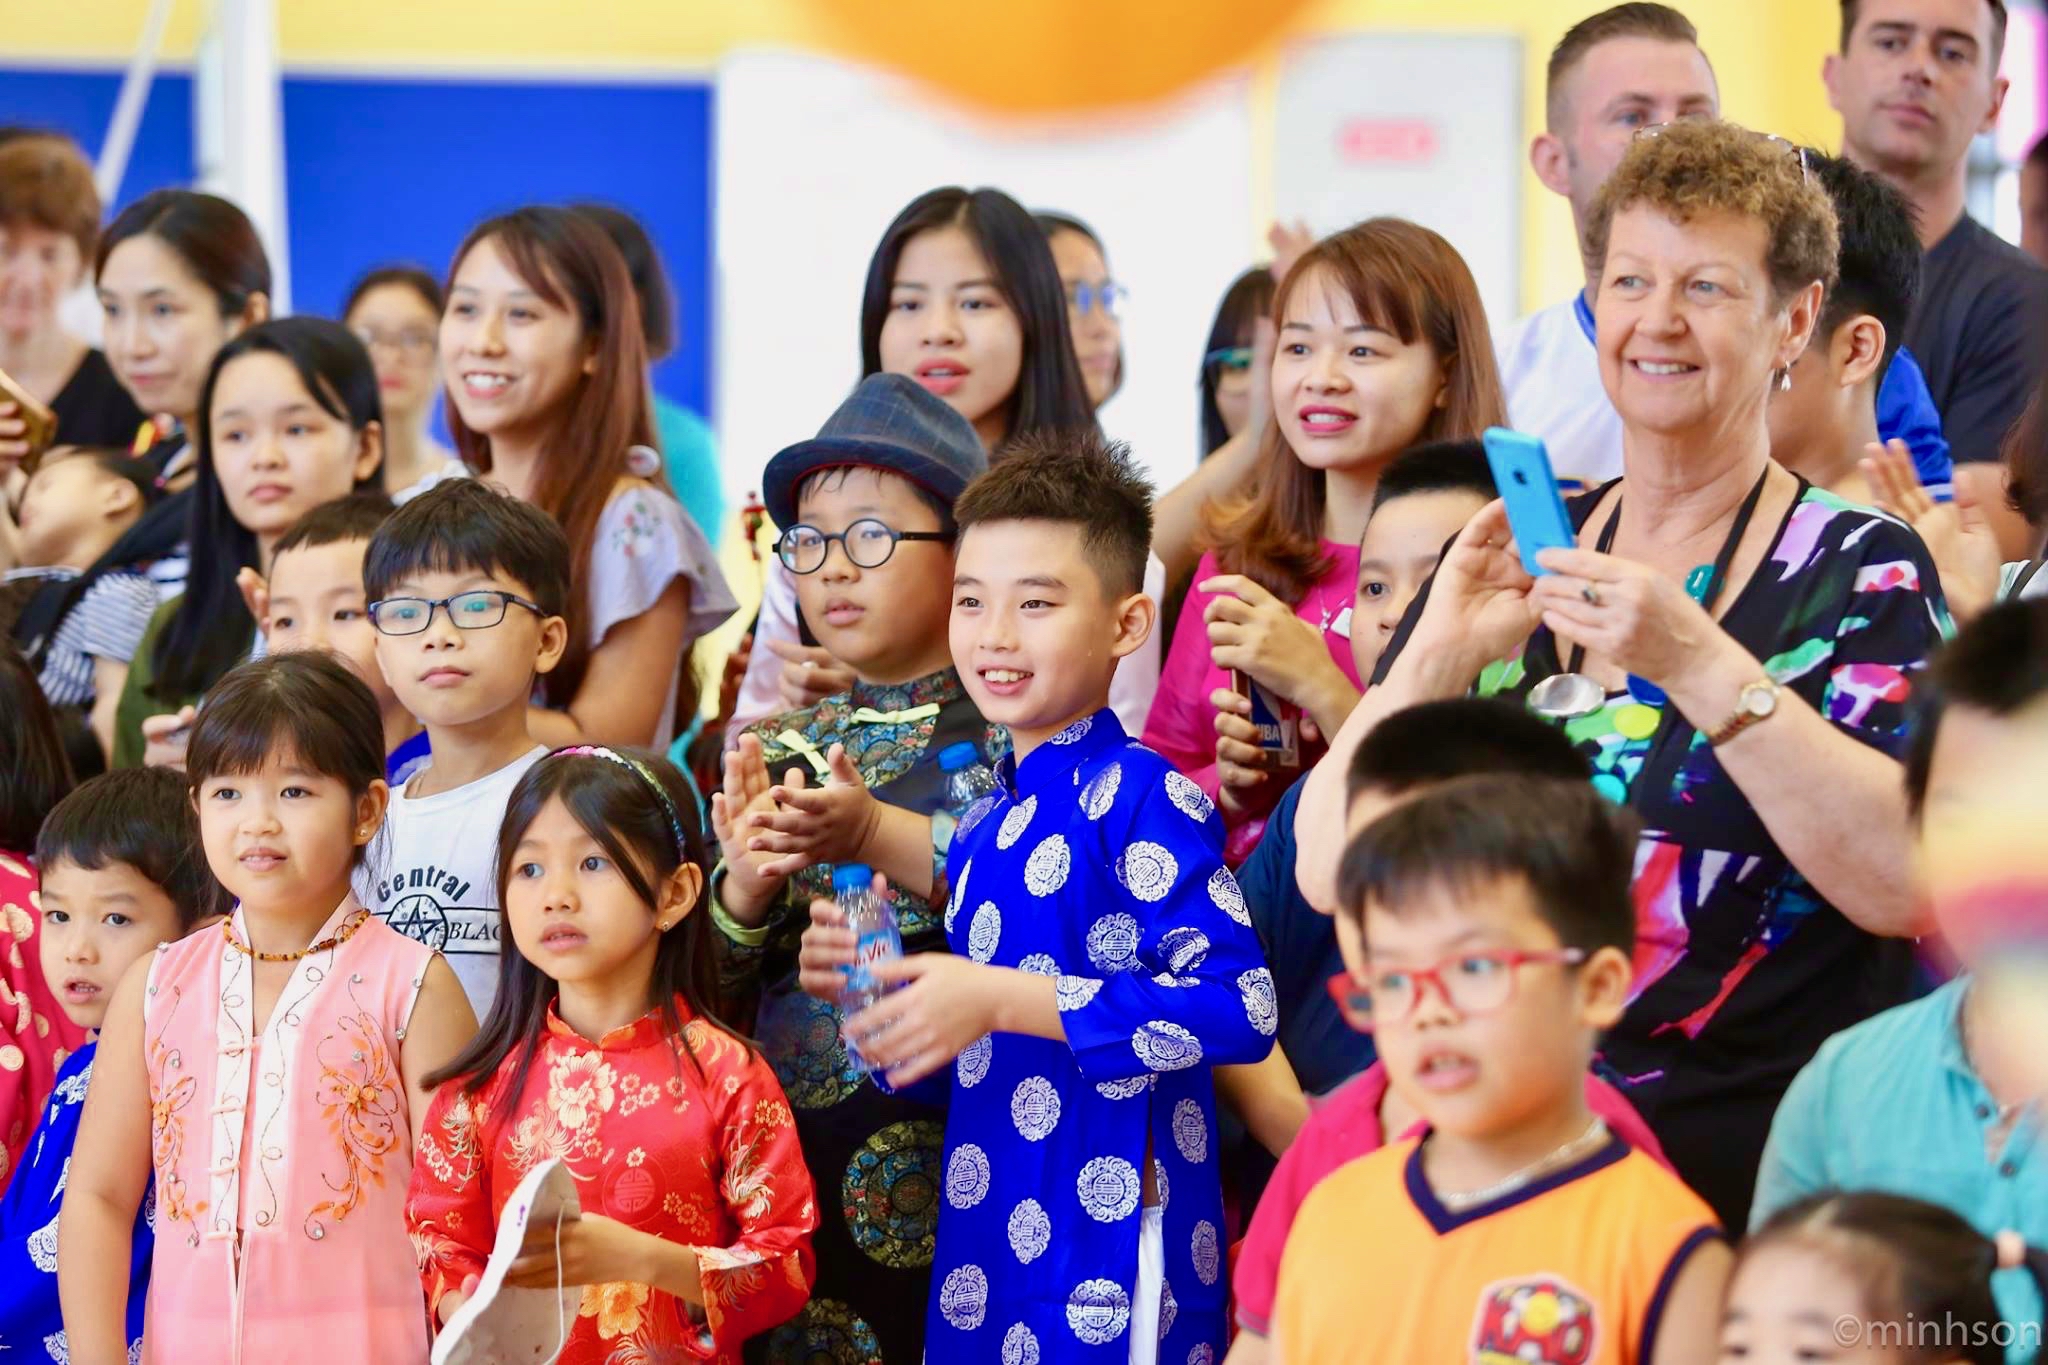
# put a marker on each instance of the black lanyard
(1716, 581)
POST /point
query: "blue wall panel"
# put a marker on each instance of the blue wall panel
(384, 170)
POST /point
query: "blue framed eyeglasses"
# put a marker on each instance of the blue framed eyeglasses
(1229, 358)
(1109, 297)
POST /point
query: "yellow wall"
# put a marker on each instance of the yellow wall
(1767, 53)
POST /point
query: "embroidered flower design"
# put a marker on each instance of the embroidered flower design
(617, 1308)
(581, 1086)
(364, 1105)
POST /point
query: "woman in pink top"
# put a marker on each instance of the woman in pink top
(267, 1074)
(1382, 344)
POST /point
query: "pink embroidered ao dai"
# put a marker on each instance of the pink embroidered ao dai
(282, 1158)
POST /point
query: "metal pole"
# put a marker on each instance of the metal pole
(239, 122)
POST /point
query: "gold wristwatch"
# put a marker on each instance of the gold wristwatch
(1755, 702)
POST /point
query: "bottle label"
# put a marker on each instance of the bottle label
(875, 945)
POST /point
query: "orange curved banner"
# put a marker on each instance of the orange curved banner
(1053, 56)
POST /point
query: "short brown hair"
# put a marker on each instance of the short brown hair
(1406, 279)
(46, 181)
(1707, 166)
(1634, 20)
(1852, 11)
(1078, 478)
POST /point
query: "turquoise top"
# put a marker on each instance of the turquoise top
(689, 455)
(1894, 1105)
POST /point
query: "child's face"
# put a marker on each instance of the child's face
(450, 677)
(64, 502)
(1346, 393)
(1474, 1073)
(281, 834)
(509, 358)
(1035, 635)
(316, 602)
(1808, 414)
(1983, 794)
(950, 328)
(887, 623)
(1791, 1303)
(277, 452)
(96, 923)
(574, 916)
(1398, 553)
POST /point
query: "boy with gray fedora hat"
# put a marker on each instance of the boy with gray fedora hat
(865, 510)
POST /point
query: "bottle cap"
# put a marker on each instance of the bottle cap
(954, 757)
(852, 877)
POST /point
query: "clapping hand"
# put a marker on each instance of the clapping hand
(809, 674)
(1958, 537)
(751, 879)
(832, 823)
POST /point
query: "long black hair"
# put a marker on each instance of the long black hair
(34, 774)
(1249, 297)
(1050, 392)
(211, 629)
(617, 807)
(1918, 1263)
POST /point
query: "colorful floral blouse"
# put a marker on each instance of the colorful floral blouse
(1742, 969)
(693, 1144)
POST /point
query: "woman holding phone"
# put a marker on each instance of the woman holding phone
(1732, 648)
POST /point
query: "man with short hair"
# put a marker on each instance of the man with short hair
(1915, 82)
(1611, 75)
(1619, 71)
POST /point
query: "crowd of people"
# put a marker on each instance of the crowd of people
(1328, 933)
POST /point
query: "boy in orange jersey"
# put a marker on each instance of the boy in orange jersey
(1496, 931)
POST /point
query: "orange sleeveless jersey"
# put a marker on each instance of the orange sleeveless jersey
(1571, 1270)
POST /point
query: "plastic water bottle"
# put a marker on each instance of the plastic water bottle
(968, 779)
(873, 922)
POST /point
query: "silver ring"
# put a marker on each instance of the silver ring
(1591, 594)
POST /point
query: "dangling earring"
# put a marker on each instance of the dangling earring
(1784, 384)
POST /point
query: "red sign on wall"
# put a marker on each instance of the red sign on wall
(1378, 140)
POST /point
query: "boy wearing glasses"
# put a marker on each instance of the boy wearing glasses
(866, 513)
(1410, 753)
(466, 587)
(1493, 932)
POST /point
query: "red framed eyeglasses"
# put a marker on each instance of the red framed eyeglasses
(1470, 983)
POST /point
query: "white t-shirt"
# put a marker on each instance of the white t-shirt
(433, 874)
(1130, 691)
(1551, 375)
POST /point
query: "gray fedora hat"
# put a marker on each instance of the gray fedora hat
(888, 422)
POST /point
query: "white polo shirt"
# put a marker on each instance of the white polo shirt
(1551, 375)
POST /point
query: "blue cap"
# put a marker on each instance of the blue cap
(889, 422)
(954, 757)
(852, 877)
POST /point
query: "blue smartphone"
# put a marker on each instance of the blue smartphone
(1521, 470)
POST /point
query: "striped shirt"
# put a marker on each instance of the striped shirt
(106, 623)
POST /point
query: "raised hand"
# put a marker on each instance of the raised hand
(1958, 536)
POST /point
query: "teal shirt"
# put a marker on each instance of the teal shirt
(1892, 1104)
(689, 455)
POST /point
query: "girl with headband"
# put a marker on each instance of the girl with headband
(601, 1048)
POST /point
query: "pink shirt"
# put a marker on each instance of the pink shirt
(282, 1158)
(1345, 1126)
(1182, 724)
